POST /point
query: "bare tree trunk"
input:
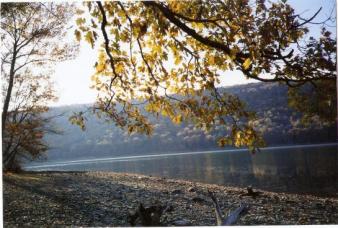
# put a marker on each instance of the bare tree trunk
(5, 155)
(9, 157)
(9, 89)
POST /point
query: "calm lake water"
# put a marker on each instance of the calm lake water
(302, 169)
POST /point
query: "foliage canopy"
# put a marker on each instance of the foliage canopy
(170, 55)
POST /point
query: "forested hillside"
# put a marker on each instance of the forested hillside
(280, 125)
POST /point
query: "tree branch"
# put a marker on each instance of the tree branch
(310, 19)
(106, 39)
(191, 32)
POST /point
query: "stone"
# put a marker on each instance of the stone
(198, 199)
(192, 189)
(176, 191)
(182, 222)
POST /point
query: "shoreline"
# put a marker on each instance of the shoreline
(108, 199)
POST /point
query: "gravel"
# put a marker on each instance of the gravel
(107, 199)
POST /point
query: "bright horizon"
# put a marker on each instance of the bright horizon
(72, 77)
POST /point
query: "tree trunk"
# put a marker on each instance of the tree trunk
(9, 157)
(9, 89)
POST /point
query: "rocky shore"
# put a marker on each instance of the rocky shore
(108, 199)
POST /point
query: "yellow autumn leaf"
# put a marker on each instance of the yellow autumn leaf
(80, 21)
(247, 63)
(157, 48)
(222, 142)
(211, 60)
(77, 35)
(178, 60)
(89, 38)
(100, 67)
(177, 119)
(119, 68)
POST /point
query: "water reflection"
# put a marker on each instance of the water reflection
(305, 169)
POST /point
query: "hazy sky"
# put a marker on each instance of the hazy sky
(72, 78)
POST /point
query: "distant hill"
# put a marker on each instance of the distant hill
(279, 123)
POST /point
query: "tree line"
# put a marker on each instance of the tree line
(279, 124)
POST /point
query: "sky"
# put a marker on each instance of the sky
(72, 77)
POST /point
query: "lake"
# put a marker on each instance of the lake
(297, 169)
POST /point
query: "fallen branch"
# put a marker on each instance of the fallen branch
(234, 216)
(218, 212)
(231, 218)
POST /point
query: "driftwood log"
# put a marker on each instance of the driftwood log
(151, 216)
(232, 216)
